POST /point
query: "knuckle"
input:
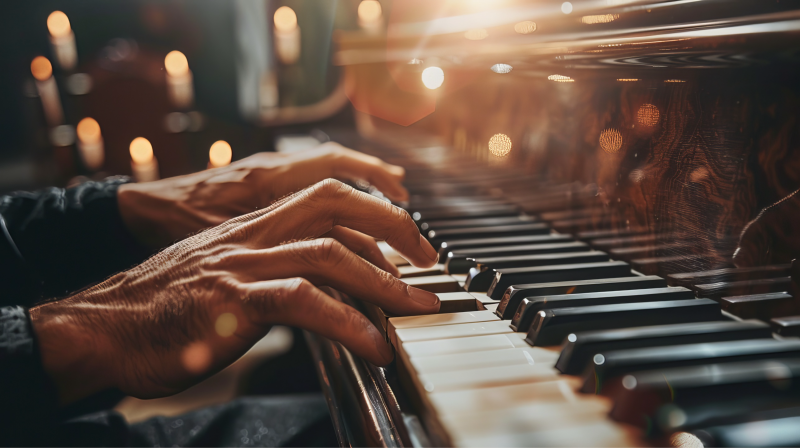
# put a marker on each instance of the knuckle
(323, 251)
(330, 189)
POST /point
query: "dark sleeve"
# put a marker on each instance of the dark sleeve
(56, 241)
(29, 398)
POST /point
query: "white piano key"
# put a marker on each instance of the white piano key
(413, 271)
(391, 255)
(434, 283)
(491, 307)
(459, 277)
(494, 358)
(502, 397)
(452, 331)
(452, 302)
(430, 320)
(487, 377)
(465, 345)
(601, 433)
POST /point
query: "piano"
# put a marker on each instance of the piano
(610, 186)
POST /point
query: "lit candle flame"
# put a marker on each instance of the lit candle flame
(88, 130)
(41, 68)
(220, 154)
(176, 64)
(369, 10)
(285, 19)
(141, 151)
(58, 24)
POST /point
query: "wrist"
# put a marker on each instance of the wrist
(144, 214)
(74, 354)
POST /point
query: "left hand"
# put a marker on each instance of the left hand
(162, 212)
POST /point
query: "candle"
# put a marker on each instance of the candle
(370, 15)
(90, 143)
(62, 39)
(42, 71)
(179, 79)
(287, 35)
(144, 165)
(220, 154)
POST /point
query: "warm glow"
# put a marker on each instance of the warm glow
(648, 115)
(415, 61)
(226, 324)
(58, 24)
(627, 79)
(41, 68)
(499, 145)
(220, 153)
(601, 18)
(286, 20)
(477, 34)
(176, 63)
(674, 80)
(433, 77)
(368, 11)
(88, 130)
(560, 78)
(141, 150)
(610, 140)
(566, 7)
(196, 358)
(526, 27)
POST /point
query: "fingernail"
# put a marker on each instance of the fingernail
(423, 297)
(428, 249)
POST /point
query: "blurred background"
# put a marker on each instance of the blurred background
(158, 88)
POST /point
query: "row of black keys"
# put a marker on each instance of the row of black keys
(604, 295)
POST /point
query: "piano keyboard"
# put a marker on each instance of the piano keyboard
(557, 330)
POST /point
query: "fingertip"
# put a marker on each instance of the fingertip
(429, 251)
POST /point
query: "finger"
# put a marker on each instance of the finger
(327, 262)
(316, 210)
(298, 303)
(354, 165)
(363, 246)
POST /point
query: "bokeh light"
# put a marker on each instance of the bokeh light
(560, 78)
(285, 19)
(220, 153)
(226, 324)
(611, 141)
(566, 7)
(58, 24)
(196, 358)
(526, 27)
(476, 34)
(648, 115)
(500, 145)
(41, 68)
(502, 68)
(141, 150)
(88, 130)
(176, 64)
(368, 10)
(600, 18)
(433, 77)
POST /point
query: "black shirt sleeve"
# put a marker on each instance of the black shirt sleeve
(56, 241)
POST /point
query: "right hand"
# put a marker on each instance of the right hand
(200, 304)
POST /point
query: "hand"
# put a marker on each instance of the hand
(773, 237)
(200, 304)
(162, 212)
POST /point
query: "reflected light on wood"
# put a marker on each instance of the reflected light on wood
(526, 27)
(499, 145)
(41, 68)
(560, 78)
(285, 19)
(610, 141)
(433, 77)
(220, 154)
(477, 34)
(648, 115)
(674, 80)
(501, 68)
(627, 79)
(600, 18)
(58, 24)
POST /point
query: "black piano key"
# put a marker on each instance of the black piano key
(608, 365)
(745, 287)
(531, 306)
(760, 306)
(459, 263)
(513, 296)
(481, 277)
(487, 211)
(436, 237)
(760, 429)
(475, 222)
(688, 279)
(786, 326)
(681, 398)
(584, 271)
(580, 347)
(550, 327)
(455, 245)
